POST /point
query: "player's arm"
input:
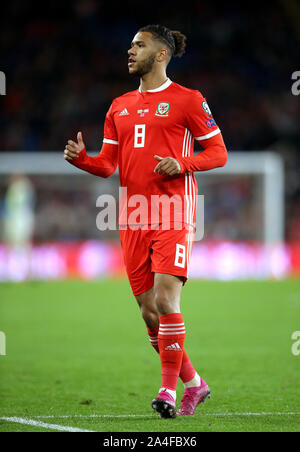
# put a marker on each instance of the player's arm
(103, 165)
(214, 155)
(200, 123)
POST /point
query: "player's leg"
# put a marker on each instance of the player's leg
(136, 251)
(148, 309)
(149, 313)
(165, 298)
(146, 302)
(171, 335)
(170, 264)
(167, 292)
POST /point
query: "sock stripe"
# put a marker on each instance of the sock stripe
(169, 329)
(174, 333)
(172, 329)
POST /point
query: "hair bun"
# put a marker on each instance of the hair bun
(180, 43)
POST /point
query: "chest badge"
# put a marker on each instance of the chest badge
(162, 109)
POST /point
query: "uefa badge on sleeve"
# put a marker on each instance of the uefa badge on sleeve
(162, 109)
(206, 108)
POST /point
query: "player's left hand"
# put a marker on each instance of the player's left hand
(167, 165)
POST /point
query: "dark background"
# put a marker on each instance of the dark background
(66, 61)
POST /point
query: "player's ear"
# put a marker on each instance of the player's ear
(162, 55)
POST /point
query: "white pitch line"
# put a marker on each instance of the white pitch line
(115, 416)
(291, 413)
(62, 428)
(89, 416)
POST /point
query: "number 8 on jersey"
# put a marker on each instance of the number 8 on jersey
(139, 135)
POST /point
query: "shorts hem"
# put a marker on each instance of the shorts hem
(139, 292)
(171, 272)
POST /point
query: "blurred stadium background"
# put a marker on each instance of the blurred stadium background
(67, 341)
(64, 62)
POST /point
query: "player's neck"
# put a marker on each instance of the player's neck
(152, 81)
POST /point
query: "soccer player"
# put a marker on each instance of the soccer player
(149, 133)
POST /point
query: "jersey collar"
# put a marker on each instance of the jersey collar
(160, 88)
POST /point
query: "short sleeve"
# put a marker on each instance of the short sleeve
(199, 118)
(110, 131)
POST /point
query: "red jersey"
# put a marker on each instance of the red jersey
(163, 121)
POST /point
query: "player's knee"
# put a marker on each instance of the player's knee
(150, 317)
(165, 302)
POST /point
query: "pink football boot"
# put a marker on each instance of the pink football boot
(165, 405)
(192, 397)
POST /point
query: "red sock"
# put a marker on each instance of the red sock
(187, 371)
(153, 337)
(171, 344)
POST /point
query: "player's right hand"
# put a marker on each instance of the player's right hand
(72, 149)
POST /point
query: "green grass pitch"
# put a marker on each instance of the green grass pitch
(77, 355)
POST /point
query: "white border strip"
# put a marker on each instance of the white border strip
(170, 334)
(106, 140)
(209, 135)
(31, 422)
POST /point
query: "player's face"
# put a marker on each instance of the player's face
(142, 54)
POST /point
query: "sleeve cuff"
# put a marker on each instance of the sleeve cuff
(80, 159)
(106, 140)
(182, 165)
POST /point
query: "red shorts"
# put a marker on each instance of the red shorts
(155, 251)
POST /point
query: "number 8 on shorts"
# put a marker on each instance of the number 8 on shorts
(180, 256)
